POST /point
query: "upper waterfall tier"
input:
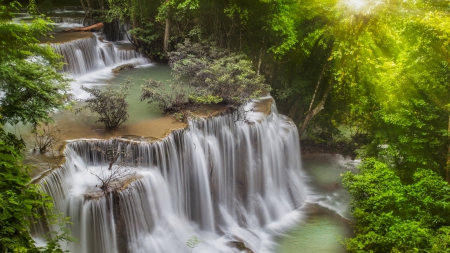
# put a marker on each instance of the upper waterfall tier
(226, 179)
(89, 54)
(72, 20)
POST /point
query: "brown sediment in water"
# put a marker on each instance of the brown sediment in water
(43, 163)
(75, 127)
(264, 105)
(58, 38)
(206, 111)
(147, 130)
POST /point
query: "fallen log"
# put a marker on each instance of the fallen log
(91, 28)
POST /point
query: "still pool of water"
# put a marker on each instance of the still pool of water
(137, 110)
(326, 218)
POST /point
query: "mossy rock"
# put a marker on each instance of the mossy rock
(123, 67)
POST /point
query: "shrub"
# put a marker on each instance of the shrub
(167, 99)
(45, 136)
(113, 178)
(395, 216)
(109, 104)
(217, 72)
(208, 99)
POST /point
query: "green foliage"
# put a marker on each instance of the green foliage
(172, 98)
(208, 99)
(19, 204)
(396, 216)
(109, 103)
(265, 22)
(45, 137)
(32, 88)
(221, 74)
(147, 35)
(31, 85)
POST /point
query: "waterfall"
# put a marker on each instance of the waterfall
(71, 20)
(225, 179)
(89, 54)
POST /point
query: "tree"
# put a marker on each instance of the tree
(395, 216)
(217, 72)
(32, 88)
(110, 104)
(168, 99)
(45, 137)
(31, 85)
(19, 204)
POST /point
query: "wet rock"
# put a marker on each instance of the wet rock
(123, 67)
(238, 243)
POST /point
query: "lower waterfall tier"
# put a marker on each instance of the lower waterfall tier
(222, 185)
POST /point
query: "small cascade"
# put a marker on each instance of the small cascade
(223, 180)
(71, 20)
(89, 54)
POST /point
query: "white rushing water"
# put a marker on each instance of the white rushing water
(89, 54)
(222, 180)
(229, 181)
(89, 61)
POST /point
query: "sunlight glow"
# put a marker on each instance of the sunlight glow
(356, 5)
(362, 6)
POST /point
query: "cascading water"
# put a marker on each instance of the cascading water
(227, 180)
(70, 20)
(87, 55)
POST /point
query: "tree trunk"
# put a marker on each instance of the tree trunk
(313, 112)
(317, 87)
(89, 8)
(447, 176)
(86, 11)
(316, 110)
(261, 54)
(167, 32)
(167, 35)
(101, 6)
(135, 25)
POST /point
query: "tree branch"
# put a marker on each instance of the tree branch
(316, 110)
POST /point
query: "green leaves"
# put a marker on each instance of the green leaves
(217, 72)
(31, 84)
(19, 202)
(109, 104)
(393, 215)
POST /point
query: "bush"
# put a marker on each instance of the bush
(170, 99)
(109, 104)
(113, 178)
(45, 136)
(394, 216)
(217, 72)
(208, 99)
